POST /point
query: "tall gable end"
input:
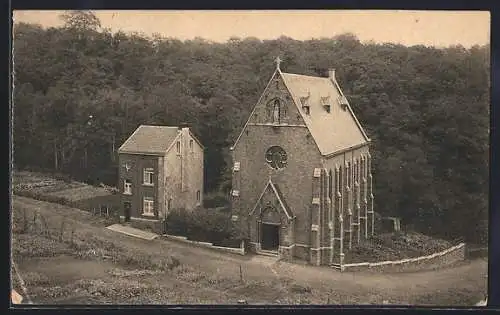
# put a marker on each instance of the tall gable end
(276, 105)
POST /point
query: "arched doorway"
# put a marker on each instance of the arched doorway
(270, 224)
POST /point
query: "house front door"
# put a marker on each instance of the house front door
(126, 209)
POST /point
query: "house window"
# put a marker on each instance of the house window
(191, 145)
(198, 196)
(148, 176)
(148, 206)
(306, 110)
(127, 187)
(178, 147)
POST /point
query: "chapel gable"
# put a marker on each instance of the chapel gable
(276, 105)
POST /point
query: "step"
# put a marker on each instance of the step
(270, 253)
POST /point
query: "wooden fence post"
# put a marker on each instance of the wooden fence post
(47, 228)
(241, 275)
(25, 221)
(34, 222)
(61, 231)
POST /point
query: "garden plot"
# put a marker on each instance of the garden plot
(395, 246)
(81, 192)
(41, 183)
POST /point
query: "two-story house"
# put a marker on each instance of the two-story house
(160, 168)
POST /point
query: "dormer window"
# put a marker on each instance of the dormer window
(305, 104)
(343, 102)
(325, 101)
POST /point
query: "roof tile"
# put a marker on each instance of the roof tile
(150, 140)
(332, 130)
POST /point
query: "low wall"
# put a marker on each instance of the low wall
(446, 257)
(183, 239)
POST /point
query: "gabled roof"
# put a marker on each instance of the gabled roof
(153, 140)
(332, 131)
(284, 207)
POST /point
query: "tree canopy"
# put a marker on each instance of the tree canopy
(81, 90)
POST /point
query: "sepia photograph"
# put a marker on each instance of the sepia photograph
(253, 157)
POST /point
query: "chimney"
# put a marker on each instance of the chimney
(331, 74)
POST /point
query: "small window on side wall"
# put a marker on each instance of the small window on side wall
(191, 145)
(148, 176)
(127, 187)
(178, 147)
(148, 206)
(198, 196)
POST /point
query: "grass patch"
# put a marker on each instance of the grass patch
(395, 246)
(37, 234)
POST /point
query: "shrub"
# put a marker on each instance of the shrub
(204, 225)
(214, 200)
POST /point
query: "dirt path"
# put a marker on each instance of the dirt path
(462, 284)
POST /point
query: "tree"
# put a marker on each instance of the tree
(426, 109)
(81, 20)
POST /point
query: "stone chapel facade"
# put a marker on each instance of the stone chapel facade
(302, 183)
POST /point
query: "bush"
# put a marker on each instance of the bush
(202, 225)
(215, 200)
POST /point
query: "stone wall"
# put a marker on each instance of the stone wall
(446, 257)
(183, 239)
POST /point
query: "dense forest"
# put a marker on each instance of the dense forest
(80, 90)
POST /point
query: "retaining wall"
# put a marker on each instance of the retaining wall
(446, 257)
(183, 239)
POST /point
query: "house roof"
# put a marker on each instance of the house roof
(332, 131)
(154, 140)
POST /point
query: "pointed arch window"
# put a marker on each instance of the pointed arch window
(276, 110)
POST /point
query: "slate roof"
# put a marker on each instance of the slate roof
(154, 140)
(332, 131)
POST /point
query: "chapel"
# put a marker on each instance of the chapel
(302, 182)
